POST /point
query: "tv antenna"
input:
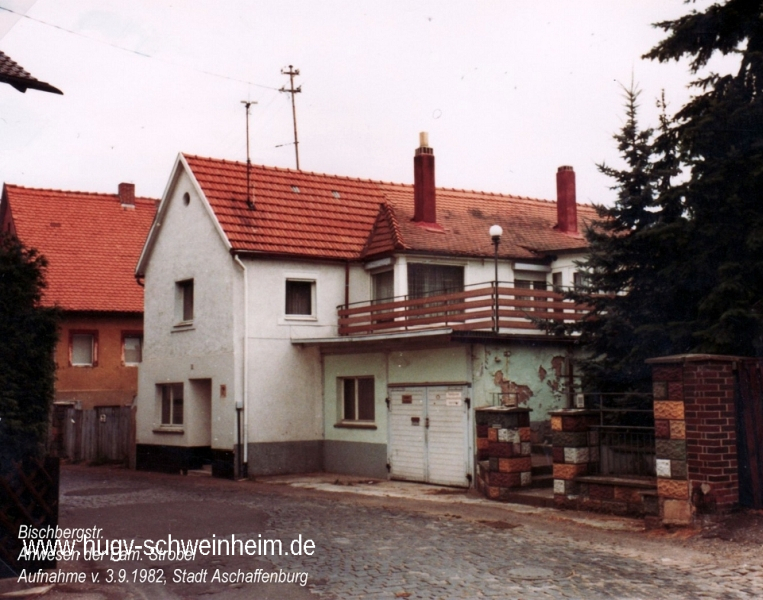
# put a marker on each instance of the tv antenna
(249, 199)
(292, 90)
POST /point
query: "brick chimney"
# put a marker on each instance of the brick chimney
(425, 210)
(127, 194)
(566, 207)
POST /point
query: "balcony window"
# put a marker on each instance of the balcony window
(431, 280)
(383, 286)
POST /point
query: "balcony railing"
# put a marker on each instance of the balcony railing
(475, 308)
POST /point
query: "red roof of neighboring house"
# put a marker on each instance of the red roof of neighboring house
(326, 216)
(13, 74)
(91, 241)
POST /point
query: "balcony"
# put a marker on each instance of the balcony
(473, 309)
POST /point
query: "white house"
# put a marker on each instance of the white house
(299, 322)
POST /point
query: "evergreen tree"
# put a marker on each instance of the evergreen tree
(720, 140)
(636, 310)
(28, 335)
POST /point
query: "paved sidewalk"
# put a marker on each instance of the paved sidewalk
(330, 482)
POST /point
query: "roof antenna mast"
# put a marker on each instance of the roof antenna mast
(249, 199)
(292, 90)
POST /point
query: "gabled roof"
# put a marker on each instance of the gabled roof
(305, 214)
(91, 241)
(13, 74)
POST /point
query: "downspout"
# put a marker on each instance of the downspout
(246, 365)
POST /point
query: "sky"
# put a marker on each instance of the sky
(508, 90)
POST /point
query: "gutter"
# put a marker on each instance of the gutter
(245, 391)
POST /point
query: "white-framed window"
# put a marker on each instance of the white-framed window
(83, 348)
(132, 348)
(184, 301)
(171, 398)
(300, 298)
(581, 280)
(426, 280)
(557, 280)
(358, 403)
(383, 284)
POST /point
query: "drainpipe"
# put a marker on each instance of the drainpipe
(245, 393)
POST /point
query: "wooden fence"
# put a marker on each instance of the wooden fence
(103, 434)
(749, 415)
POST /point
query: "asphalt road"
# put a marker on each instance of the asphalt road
(345, 545)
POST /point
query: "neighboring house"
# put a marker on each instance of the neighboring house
(14, 75)
(92, 243)
(315, 322)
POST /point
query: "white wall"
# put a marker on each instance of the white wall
(284, 380)
(189, 247)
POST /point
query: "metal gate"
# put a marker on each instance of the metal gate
(428, 431)
(749, 412)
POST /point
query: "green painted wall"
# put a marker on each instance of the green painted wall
(534, 373)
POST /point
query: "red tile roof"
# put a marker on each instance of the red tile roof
(13, 74)
(91, 242)
(307, 214)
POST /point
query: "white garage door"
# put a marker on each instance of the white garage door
(428, 429)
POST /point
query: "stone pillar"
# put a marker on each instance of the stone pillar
(695, 435)
(503, 450)
(575, 447)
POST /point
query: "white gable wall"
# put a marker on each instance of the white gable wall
(189, 247)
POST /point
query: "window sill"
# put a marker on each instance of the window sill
(183, 326)
(355, 425)
(169, 430)
(300, 318)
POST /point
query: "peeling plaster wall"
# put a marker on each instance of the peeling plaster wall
(534, 373)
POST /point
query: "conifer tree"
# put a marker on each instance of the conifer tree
(632, 298)
(720, 140)
(28, 334)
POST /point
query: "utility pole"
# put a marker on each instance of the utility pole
(249, 199)
(292, 90)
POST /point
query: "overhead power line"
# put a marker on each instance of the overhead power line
(131, 51)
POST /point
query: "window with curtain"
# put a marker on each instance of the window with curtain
(431, 280)
(299, 297)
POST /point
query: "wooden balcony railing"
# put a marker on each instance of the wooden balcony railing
(472, 309)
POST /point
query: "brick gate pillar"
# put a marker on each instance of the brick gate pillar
(695, 435)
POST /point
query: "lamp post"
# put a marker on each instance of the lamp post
(496, 231)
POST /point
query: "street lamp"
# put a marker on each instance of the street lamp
(496, 231)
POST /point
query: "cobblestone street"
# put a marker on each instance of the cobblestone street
(384, 547)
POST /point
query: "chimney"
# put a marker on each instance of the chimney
(566, 208)
(425, 210)
(127, 194)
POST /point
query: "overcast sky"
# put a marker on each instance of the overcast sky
(508, 90)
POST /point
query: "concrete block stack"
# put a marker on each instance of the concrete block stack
(504, 450)
(575, 447)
